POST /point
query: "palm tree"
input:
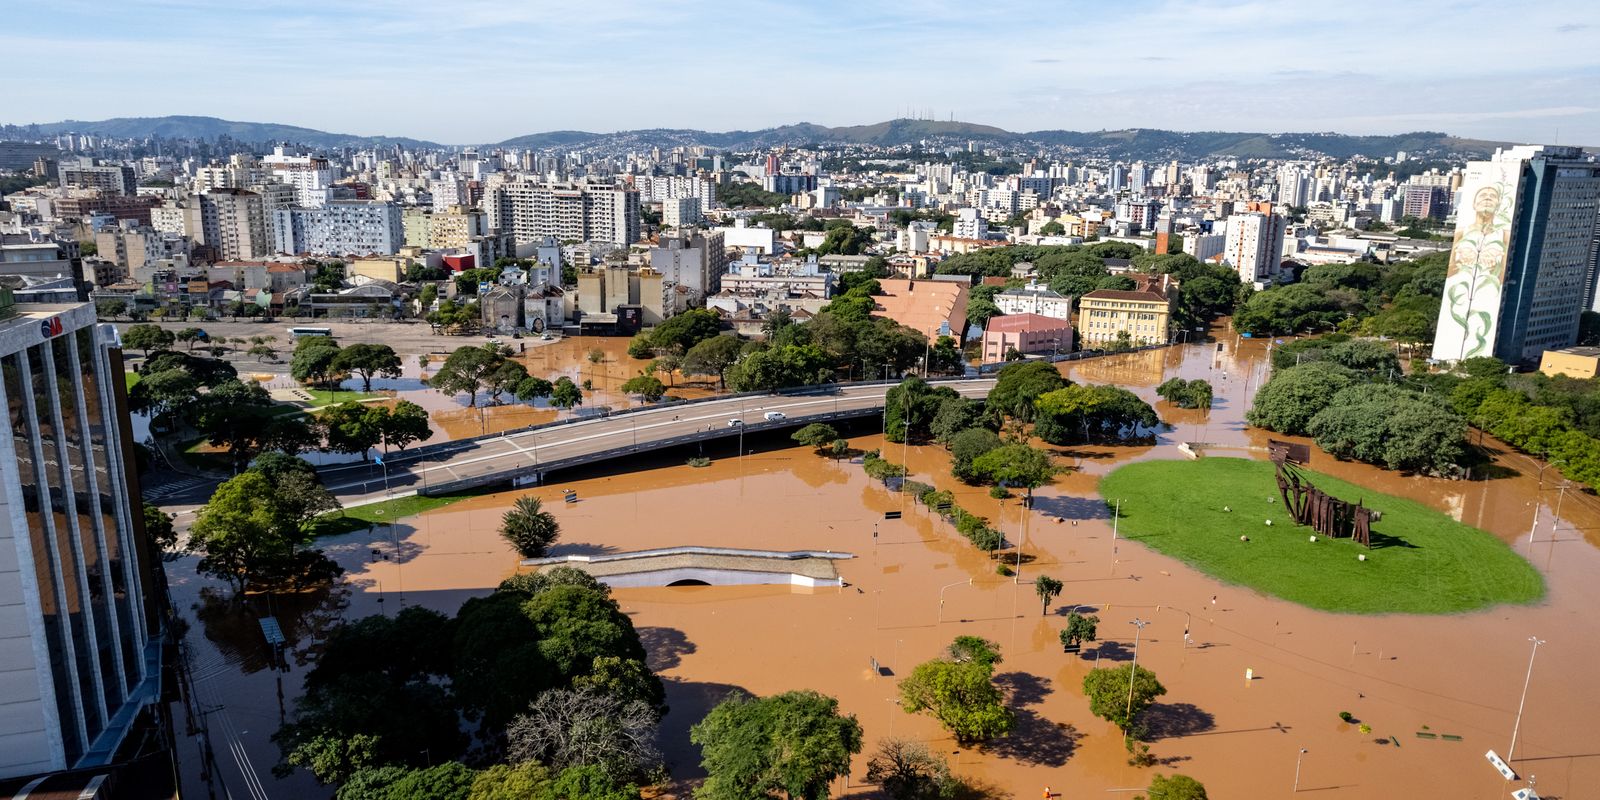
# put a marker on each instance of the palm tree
(529, 528)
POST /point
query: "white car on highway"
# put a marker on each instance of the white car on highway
(774, 416)
(734, 423)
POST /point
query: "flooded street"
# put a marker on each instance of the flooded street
(914, 584)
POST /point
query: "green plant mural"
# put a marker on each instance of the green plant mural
(1478, 267)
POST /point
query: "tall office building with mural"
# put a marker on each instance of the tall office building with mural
(1525, 226)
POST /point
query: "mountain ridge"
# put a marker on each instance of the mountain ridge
(1122, 143)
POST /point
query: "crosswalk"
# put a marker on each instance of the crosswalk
(175, 487)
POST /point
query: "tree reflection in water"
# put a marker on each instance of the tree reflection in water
(232, 622)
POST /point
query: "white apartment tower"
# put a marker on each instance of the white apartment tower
(1254, 244)
(310, 176)
(341, 228)
(576, 212)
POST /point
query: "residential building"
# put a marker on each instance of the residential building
(312, 177)
(969, 225)
(1426, 202)
(76, 632)
(1143, 315)
(1254, 245)
(1520, 260)
(789, 184)
(680, 212)
(129, 245)
(106, 178)
(341, 227)
(1028, 334)
(743, 237)
(229, 224)
(82, 204)
(1203, 246)
(571, 212)
(1036, 299)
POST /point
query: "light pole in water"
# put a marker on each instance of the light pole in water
(1133, 669)
(1297, 768)
(1517, 726)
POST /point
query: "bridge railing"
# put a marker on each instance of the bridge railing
(458, 445)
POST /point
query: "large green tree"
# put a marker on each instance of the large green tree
(467, 370)
(1018, 385)
(1019, 465)
(367, 361)
(1288, 401)
(961, 695)
(248, 533)
(713, 356)
(147, 337)
(795, 743)
(1107, 690)
(1174, 787)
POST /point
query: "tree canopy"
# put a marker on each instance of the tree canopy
(795, 743)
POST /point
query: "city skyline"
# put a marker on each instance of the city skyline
(431, 72)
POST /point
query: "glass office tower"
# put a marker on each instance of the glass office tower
(75, 660)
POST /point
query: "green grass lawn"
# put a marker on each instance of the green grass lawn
(132, 378)
(1422, 562)
(363, 517)
(327, 397)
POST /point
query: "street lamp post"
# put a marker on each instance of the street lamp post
(967, 582)
(1133, 669)
(1297, 768)
(1517, 726)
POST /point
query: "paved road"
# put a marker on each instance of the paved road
(501, 458)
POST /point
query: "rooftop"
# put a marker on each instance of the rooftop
(1020, 323)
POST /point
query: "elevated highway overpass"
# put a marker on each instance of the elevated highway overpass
(523, 457)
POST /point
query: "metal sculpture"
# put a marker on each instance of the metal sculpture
(1312, 507)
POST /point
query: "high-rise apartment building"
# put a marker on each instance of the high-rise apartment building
(579, 212)
(1524, 238)
(1426, 202)
(75, 625)
(109, 179)
(230, 223)
(1254, 244)
(310, 176)
(341, 227)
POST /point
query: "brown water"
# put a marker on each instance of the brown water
(1458, 675)
(568, 357)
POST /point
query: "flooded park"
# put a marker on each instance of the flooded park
(1255, 685)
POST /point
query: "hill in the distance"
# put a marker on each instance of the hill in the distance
(1132, 143)
(185, 127)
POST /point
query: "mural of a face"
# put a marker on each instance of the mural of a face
(1484, 204)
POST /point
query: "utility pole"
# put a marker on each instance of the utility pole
(1297, 768)
(1517, 727)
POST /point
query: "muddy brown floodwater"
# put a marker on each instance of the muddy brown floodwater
(913, 585)
(567, 357)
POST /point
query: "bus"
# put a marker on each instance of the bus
(301, 332)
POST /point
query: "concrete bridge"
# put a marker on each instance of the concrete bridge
(521, 458)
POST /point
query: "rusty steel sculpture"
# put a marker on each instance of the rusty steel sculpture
(1313, 507)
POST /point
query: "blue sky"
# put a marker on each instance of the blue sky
(467, 71)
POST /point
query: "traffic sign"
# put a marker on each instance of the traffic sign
(1499, 765)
